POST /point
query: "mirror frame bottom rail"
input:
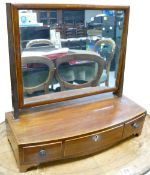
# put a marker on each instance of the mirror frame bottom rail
(65, 95)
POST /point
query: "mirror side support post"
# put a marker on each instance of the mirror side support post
(15, 101)
(121, 68)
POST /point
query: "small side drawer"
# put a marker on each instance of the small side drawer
(42, 153)
(92, 143)
(134, 127)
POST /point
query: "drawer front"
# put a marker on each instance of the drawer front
(92, 143)
(133, 127)
(42, 153)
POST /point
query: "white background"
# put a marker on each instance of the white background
(137, 71)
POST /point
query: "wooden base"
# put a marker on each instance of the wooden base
(73, 129)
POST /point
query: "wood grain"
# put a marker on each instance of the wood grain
(82, 145)
(68, 6)
(75, 127)
(64, 96)
(130, 156)
(53, 151)
(134, 127)
(12, 60)
(73, 120)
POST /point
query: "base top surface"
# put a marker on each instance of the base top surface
(80, 117)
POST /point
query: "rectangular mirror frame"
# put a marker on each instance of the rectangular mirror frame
(15, 61)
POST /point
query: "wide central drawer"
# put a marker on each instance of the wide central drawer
(42, 153)
(94, 142)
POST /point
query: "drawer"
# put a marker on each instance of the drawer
(134, 127)
(42, 153)
(92, 143)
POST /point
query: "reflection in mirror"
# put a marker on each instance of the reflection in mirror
(37, 74)
(78, 72)
(47, 36)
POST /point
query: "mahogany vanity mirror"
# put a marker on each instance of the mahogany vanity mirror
(63, 52)
(67, 66)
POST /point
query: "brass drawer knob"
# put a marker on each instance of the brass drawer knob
(42, 153)
(135, 125)
(96, 138)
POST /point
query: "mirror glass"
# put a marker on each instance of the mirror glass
(55, 43)
(78, 72)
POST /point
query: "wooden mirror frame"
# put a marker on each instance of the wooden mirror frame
(15, 61)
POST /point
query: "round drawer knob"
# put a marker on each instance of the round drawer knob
(96, 138)
(135, 125)
(42, 153)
